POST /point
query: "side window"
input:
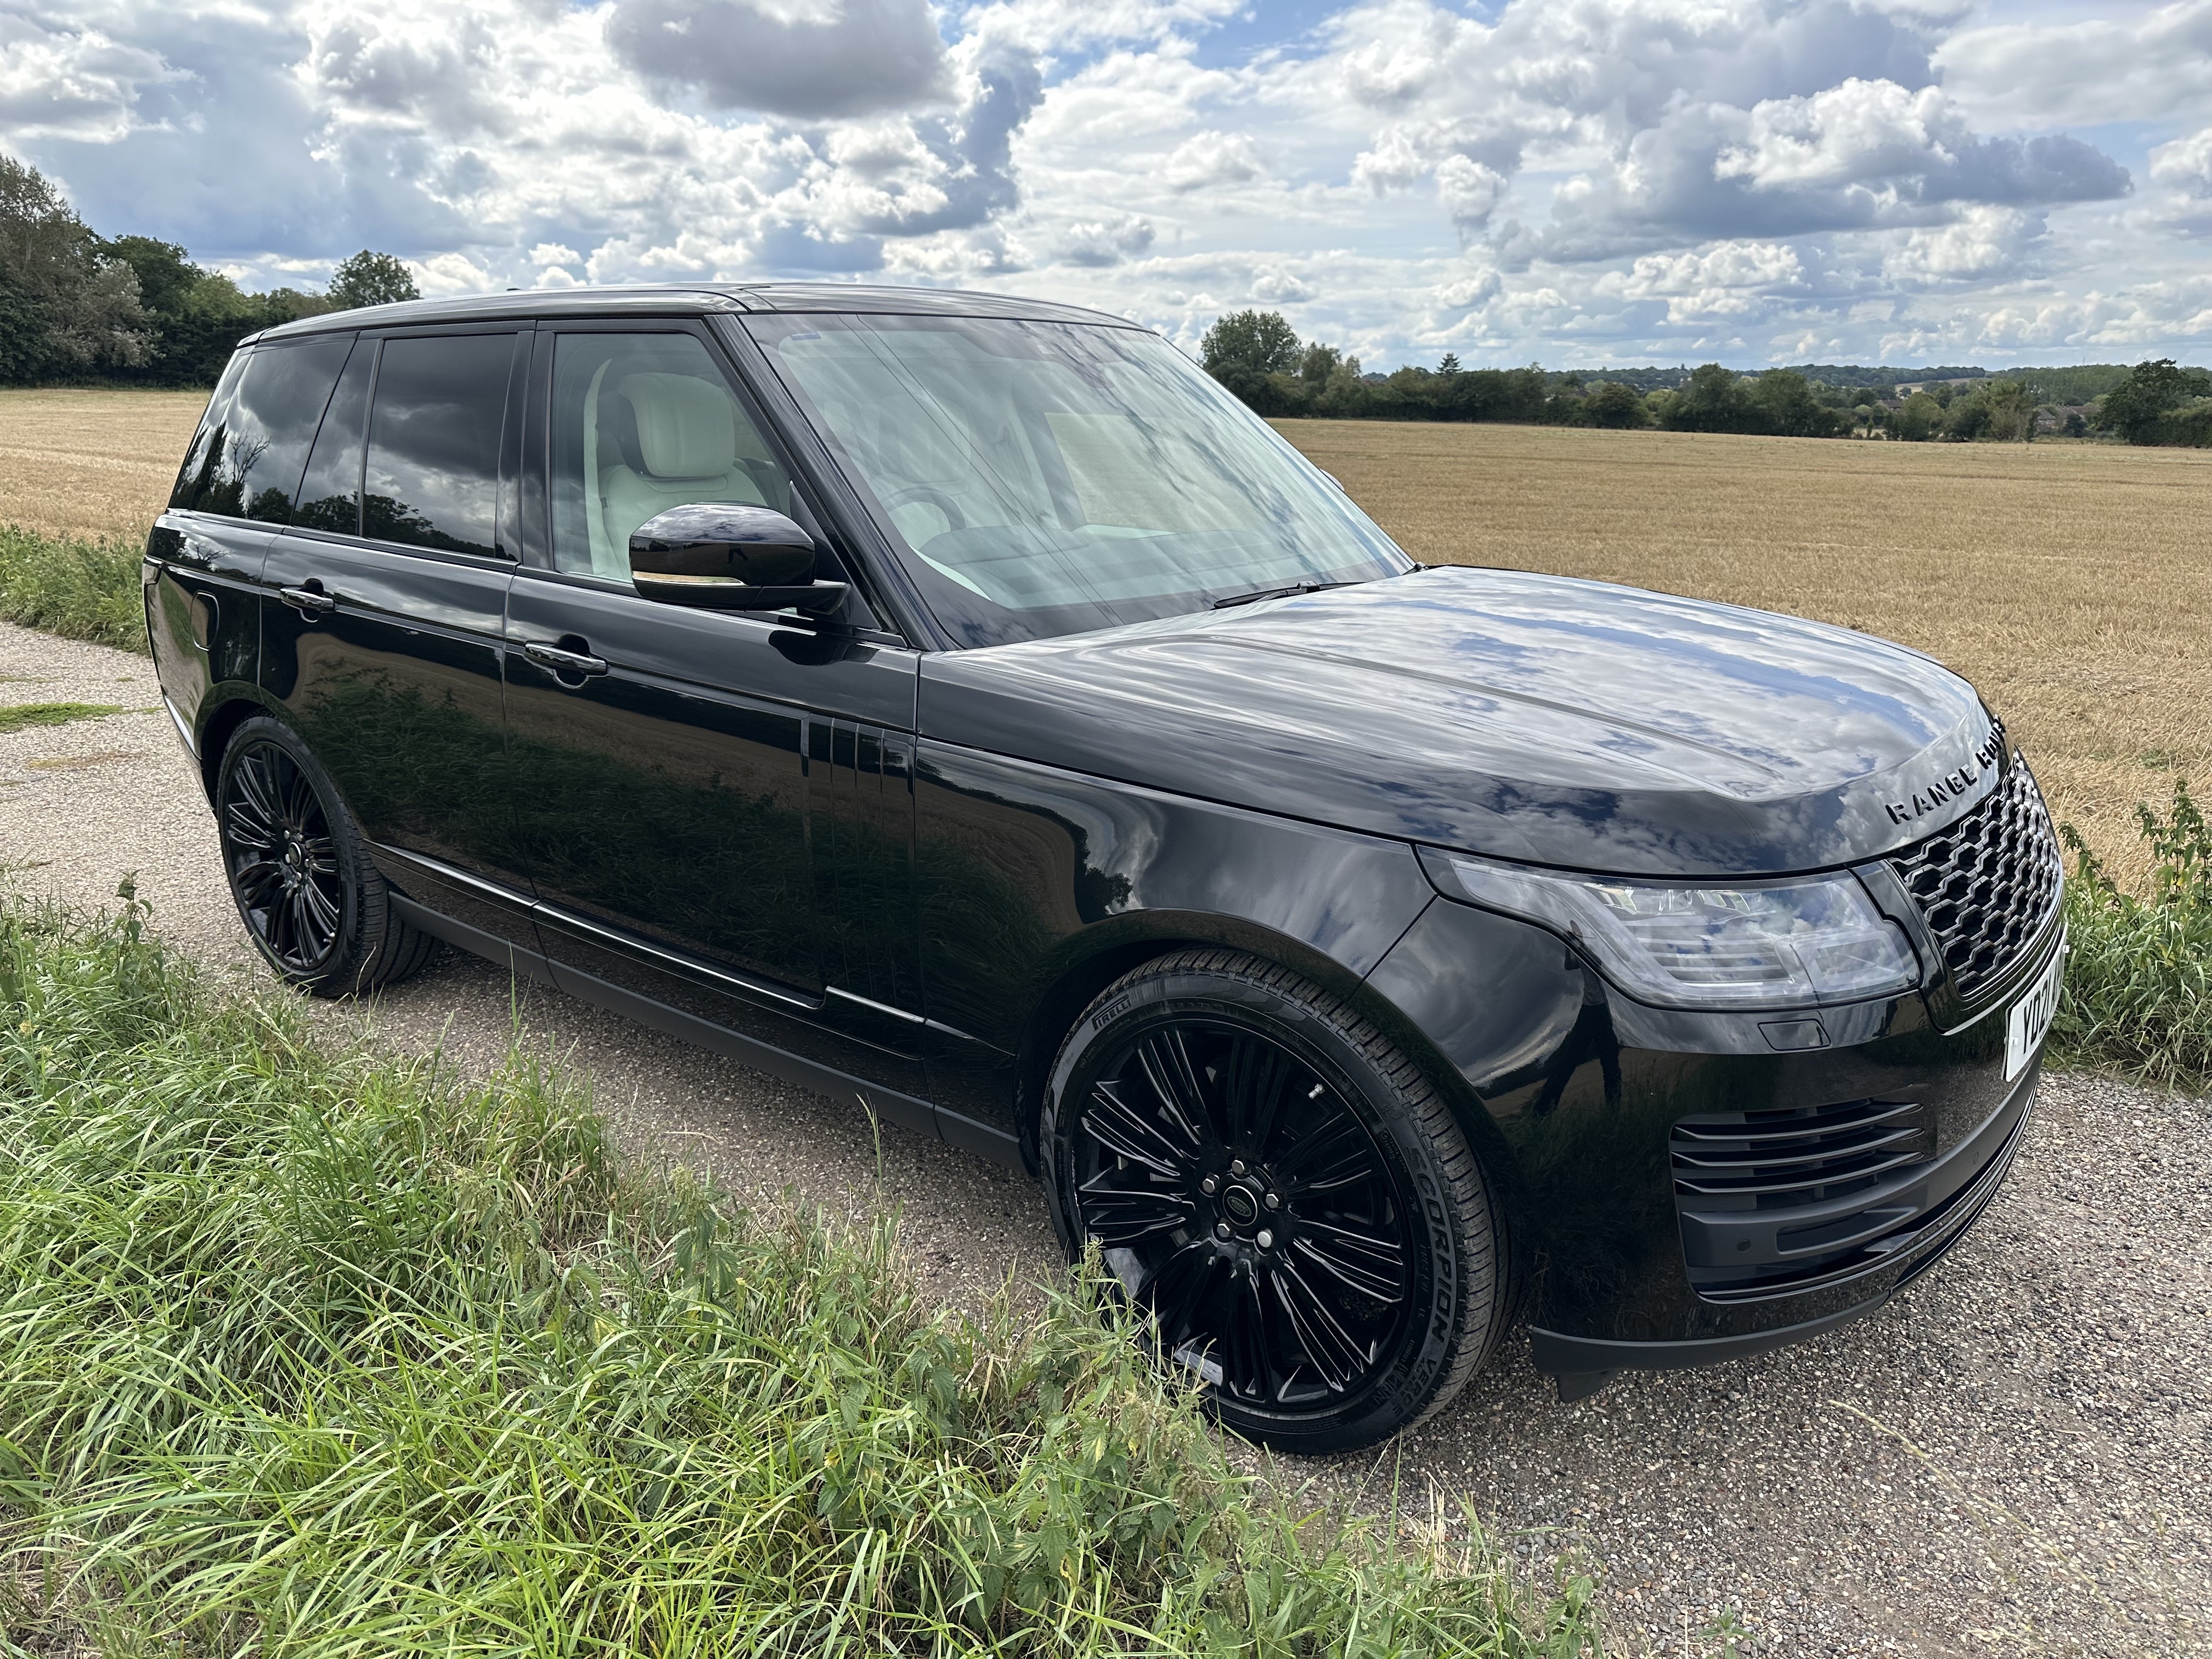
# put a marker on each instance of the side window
(253, 444)
(643, 422)
(330, 494)
(211, 444)
(434, 439)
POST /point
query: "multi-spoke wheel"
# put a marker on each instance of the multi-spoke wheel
(1277, 1188)
(315, 905)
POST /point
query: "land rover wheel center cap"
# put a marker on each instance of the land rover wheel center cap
(1238, 1204)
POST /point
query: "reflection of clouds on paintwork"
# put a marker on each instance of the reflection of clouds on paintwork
(1570, 180)
(1564, 722)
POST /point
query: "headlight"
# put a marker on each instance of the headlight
(1683, 944)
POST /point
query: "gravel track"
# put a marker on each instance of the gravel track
(2014, 1456)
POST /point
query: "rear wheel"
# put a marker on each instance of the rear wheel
(1280, 1191)
(313, 904)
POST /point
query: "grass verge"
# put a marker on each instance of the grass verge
(2139, 986)
(20, 716)
(314, 1352)
(66, 585)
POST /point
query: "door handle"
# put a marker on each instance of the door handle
(563, 661)
(309, 601)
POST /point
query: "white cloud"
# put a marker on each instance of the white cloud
(64, 82)
(829, 57)
(1573, 180)
(2185, 164)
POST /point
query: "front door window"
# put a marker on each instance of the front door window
(643, 422)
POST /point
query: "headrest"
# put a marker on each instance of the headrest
(687, 427)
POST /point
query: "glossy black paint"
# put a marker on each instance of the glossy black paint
(1529, 717)
(721, 819)
(896, 871)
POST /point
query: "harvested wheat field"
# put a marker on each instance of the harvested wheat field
(2071, 582)
(92, 463)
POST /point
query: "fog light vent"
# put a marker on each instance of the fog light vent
(1803, 1156)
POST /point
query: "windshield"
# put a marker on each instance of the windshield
(1044, 478)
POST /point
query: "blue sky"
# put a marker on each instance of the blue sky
(1575, 182)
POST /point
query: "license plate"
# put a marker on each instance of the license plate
(2030, 1017)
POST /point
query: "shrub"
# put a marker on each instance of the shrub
(81, 590)
(311, 1353)
(2139, 986)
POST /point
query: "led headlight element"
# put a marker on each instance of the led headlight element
(1753, 944)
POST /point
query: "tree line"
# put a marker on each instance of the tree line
(75, 306)
(1259, 356)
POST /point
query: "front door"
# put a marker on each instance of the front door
(716, 810)
(383, 612)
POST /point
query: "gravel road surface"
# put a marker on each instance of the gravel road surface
(2013, 1457)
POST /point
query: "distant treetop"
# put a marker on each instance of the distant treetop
(371, 279)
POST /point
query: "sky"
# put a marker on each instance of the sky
(1574, 182)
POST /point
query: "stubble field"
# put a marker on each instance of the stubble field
(2071, 582)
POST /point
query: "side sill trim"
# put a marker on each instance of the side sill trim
(454, 878)
(554, 916)
(903, 1015)
(1562, 1355)
(901, 1109)
(476, 940)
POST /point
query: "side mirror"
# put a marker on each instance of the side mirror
(725, 556)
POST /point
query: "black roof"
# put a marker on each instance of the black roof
(692, 297)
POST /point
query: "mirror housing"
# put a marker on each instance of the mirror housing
(729, 556)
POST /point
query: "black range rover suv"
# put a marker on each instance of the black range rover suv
(962, 705)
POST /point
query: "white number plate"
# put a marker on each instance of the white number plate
(2027, 1020)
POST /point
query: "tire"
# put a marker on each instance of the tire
(1277, 1188)
(299, 870)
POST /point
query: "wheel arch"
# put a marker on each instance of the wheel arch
(221, 714)
(1088, 962)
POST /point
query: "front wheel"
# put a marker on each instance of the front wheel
(313, 904)
(1293, 1207)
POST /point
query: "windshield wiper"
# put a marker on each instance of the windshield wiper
(1277, 593)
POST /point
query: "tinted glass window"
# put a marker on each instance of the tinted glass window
(330, 495)
(643, 422)
(202, 460)
(434, 439)
(247, 459)
(1047, 479)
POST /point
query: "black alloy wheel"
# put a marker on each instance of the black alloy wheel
(1248, 1156)
(283, 858)
(313, 904)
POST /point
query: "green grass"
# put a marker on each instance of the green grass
(306, 1351)
(79, 589)
(2139, 985)
(22, 715)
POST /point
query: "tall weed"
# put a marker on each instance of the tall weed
(307, 1352)
(79, 589)
(2139, 984)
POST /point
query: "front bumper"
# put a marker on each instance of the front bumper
(1634, 1257)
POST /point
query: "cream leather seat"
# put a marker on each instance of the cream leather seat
(687, 446)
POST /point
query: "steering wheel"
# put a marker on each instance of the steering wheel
(954, 518)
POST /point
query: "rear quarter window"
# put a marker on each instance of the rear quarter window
(434, 443)
(246, 458)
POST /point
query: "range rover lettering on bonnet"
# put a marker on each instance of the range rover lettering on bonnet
(1951, 784)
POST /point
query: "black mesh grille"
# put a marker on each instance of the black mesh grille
(1987, 884)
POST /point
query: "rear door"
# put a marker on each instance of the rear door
(235, 488)
(717, 808)
(385, 604)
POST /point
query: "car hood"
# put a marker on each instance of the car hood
(1536, 718)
